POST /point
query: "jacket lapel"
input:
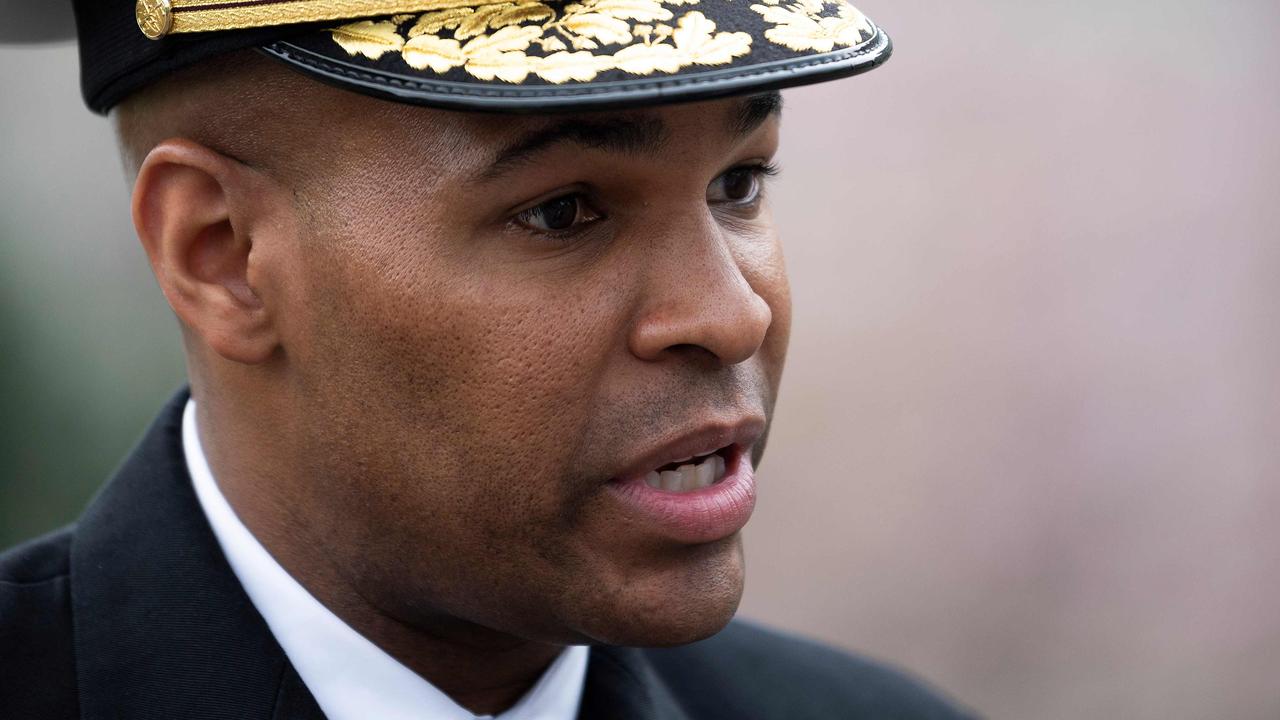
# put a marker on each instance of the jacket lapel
(622, 685)
(163, 628)
(295, 701)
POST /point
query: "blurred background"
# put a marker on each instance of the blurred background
(1029, 438)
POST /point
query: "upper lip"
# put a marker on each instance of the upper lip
(701, 439)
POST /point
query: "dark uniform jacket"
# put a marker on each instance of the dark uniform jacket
(133, 612)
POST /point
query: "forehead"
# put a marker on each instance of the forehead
(498, 142)
(646, 125)
(335, 142)
(639, 132)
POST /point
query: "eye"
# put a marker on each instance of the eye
(558, 214)
(739, 186)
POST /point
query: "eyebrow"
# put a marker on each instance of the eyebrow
(752, 113)
(631, 135)
(635, 134)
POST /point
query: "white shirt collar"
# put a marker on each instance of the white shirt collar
(350, 677)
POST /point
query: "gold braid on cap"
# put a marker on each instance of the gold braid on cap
(158, 18)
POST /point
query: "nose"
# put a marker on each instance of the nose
(699, 301)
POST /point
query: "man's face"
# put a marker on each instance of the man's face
(495, 327)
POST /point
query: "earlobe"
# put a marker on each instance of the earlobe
(192, 212)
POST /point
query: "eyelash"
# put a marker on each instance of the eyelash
(759, 169)
(767, 169)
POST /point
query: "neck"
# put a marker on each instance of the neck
(481, 669)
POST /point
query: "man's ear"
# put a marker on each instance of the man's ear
(194, 210)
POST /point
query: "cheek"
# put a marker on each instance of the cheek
(461, 389)
(760, 259)
(445, 413)
(531, 362)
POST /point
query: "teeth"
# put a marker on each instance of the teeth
(687, 477)
(706, 473)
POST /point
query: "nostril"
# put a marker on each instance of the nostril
(695, 353)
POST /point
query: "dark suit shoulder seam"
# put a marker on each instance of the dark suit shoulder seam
(41, 581)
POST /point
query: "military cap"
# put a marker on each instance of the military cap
(481, 55)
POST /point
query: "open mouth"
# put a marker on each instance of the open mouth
(698, 499)
(689, 474)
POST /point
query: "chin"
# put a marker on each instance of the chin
(676, 605)
(683, 631)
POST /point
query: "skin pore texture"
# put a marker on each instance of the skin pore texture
(415, 391)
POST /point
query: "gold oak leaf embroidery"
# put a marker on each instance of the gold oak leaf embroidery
(502, 54)
(697, 41)
(493, 41)
(368, 38)
(433, 22)
(800, 24)
(469, 22)
(595, 22)
(565, 66)
(431, 51)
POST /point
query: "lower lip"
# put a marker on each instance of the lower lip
(698, 516)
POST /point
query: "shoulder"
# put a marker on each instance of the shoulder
(35, 629)
(38, 560)
(761, 673)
